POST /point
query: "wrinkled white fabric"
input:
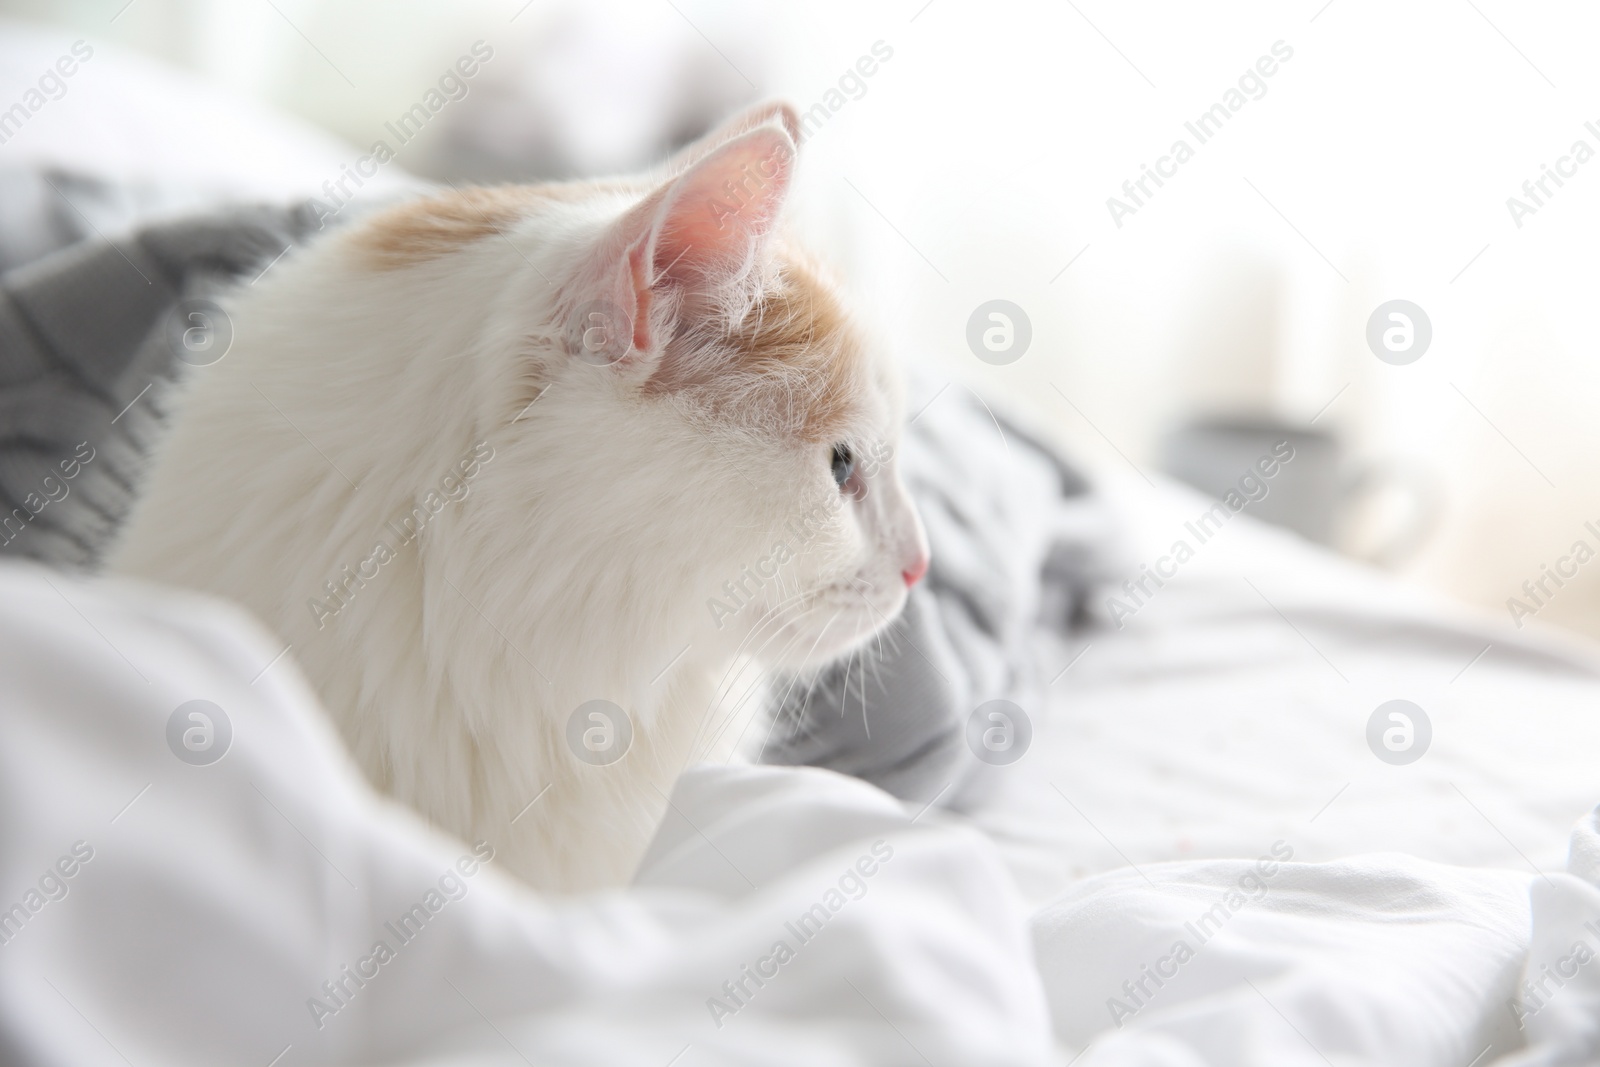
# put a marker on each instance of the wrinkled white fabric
(1380, 959)
(206, 906)
(1558, 1000)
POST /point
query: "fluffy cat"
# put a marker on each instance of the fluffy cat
(483, 458)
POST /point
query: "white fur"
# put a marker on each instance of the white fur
(578, 565)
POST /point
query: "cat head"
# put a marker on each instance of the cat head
(697, 435)
(757, 382)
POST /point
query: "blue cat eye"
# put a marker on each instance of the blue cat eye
(844, 464)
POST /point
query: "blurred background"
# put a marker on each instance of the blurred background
(959, 153)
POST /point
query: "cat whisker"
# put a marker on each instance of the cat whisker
(820, 635)
(772, 617)
(863, 687)
(668, 667)
(538, 397)
(755, 692)
(742, 661)
(796, 717)
(834, 618)
(909, 643)
(749, 661)
(844, 690)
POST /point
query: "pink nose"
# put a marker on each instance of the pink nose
(913, 574)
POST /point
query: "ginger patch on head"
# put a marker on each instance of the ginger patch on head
(431, 228)
(423, 230)
(794, 365)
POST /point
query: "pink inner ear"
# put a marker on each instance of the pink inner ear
(716, 213)
(699, 232)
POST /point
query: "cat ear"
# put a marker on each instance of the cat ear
(713, 216)
(690, 246)
(750, 118)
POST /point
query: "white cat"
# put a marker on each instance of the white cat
(489, 456)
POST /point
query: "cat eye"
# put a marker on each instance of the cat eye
(844, 464)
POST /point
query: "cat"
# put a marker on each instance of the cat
(486, 457)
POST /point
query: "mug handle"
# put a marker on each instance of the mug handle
(1423, 512)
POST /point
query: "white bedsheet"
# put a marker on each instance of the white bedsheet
(1411, 915)
(1231, 710)
(197, 910)
(1381, 959)
(1228, 717)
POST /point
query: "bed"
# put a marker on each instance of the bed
(1215, 748)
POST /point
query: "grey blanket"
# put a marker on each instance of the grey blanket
(85, 344)
(87, 347)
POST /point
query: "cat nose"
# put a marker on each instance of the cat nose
(913, 574)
